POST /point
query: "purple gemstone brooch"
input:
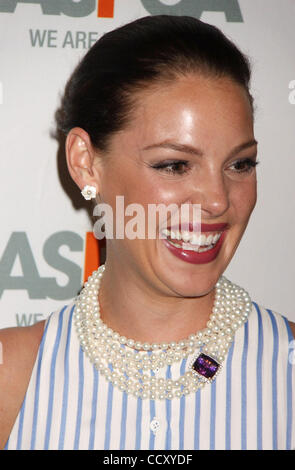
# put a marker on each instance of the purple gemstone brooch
(205, 367)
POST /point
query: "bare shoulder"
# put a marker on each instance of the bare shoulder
(18, 348)
(292, 326)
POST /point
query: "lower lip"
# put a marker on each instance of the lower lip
(194, 257)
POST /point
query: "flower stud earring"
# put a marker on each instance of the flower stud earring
(89, 192)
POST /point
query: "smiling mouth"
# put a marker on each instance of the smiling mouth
(192, 241)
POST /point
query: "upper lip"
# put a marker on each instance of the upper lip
(189, 227)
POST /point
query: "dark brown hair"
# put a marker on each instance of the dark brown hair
(99, 95)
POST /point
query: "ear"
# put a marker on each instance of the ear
(80, 156)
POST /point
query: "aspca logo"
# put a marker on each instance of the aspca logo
(19, 249)
(107, 8)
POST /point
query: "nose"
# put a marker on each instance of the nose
(212, 192)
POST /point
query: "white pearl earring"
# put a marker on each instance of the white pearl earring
(89, 192)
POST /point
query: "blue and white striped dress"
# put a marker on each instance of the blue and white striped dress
(250, 405)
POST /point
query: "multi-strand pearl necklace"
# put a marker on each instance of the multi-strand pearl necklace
(133, 366)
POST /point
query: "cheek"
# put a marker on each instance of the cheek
(166, 195)
(243, 199)
(150, 189)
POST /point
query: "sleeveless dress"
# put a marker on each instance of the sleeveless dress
(250, 404)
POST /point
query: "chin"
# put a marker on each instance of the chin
(189, 284)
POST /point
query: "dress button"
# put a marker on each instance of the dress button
(155, 424)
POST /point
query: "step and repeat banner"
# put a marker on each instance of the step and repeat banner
(46, 242)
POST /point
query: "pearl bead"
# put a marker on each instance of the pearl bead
(107, 350)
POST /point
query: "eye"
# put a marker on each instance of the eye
(172, 167)
(244, 165)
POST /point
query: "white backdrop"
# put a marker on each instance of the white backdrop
(43, 224)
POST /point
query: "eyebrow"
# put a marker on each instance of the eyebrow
(196, 151)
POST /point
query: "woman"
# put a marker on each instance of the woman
(173, 356)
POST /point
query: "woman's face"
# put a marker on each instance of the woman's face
(189, 142)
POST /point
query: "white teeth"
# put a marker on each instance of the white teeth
(185, 236)
(165, 232)
(216, 238)
(205, 248)
(194, 239)
(197, 248)
(203, 240)
(210, 239)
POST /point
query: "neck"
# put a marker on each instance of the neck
(135, 309)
